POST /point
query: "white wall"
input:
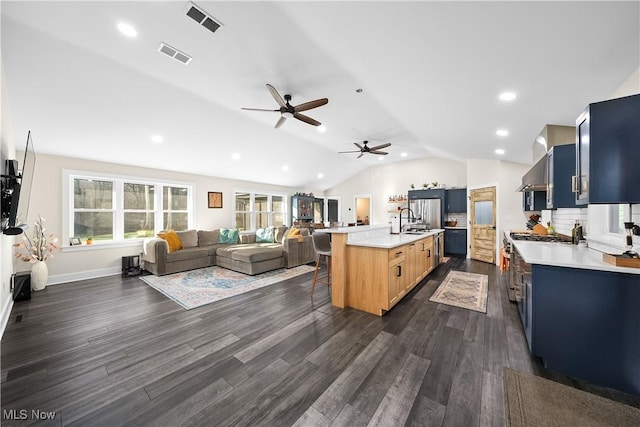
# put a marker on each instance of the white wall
(395, 179)
(93, 261)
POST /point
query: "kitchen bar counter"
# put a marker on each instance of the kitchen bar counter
(359, 252)
(567, 255)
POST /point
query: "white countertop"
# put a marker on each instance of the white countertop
(567, 255)
(389, 241)
(353, 229)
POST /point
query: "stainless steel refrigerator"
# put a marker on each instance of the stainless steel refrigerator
(427, 212)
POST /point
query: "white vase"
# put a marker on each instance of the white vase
(39, 275)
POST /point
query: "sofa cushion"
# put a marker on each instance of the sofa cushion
(185, 254)
(251, 253)
(208, 237)
(280, 233)
(265, 235)
(172, 239)
(247, 237)
(228, 235)
(188, 239)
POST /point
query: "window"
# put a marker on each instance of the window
(112, 209)
(619, 214)
(259, 210)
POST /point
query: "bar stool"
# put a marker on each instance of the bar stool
(322, 246)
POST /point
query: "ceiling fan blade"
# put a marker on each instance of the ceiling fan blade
(355, 151)
(377, 147)
(361, 154)
(257, 109)
(358, 145)
(276, 96)
(309, 105)
(384, 153)
(306, 119)
(280, 121)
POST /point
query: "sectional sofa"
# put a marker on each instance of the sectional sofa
(203, 248)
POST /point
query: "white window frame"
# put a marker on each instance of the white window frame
(68, 177)
(252, 206)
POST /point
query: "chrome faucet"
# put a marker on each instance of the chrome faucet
(412, 216)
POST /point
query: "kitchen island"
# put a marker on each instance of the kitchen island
(580, 315)
(373, 269)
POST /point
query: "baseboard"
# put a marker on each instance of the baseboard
(6, 313)
(83, 275)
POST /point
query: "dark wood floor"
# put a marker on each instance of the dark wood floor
(114, 351)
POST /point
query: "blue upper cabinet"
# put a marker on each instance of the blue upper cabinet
(608, 152)
(561, 161)
(456, 200)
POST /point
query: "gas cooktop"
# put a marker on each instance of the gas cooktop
(540, 237)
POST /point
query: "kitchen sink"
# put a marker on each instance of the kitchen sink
(415, 232)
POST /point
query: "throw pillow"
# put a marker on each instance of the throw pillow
(172, 239)
(293, 232)
(264, 235)
(188, 239)
(228, 235)
(280, 233)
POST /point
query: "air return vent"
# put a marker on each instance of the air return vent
(202, 18)
(174, 53)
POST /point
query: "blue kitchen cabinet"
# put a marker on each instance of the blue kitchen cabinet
(586, 324)
(455, 241)
(561, 160)
(607, 152)
(534, 201)
(456, 200)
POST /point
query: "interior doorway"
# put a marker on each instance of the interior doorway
(483, 224)
(332, 209)
(363, 209)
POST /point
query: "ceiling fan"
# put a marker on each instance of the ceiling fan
(366, 149)
(287, 110)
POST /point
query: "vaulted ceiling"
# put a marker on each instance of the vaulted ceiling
(429, 72)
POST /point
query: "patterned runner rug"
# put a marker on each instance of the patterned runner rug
(196, 288)
(534, 401)
(462, 289)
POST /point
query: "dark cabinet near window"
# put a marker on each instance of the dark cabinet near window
(608, 153)
(534, 201)
(301, 208)
(456, 200)
(455, 241)
(561, 161)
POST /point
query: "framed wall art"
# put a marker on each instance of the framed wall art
(215, 199)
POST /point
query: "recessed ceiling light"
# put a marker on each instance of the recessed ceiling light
(502, 132)
(157, 139)
(499, 151)
(235, 156)
(403, 154)
(380, 157)
(127, 30)
(320, 175)
(322, 128)
(507, 96)
(285, 167)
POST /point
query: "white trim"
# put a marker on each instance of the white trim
(6, 314)
(252, 212)
(83, 275)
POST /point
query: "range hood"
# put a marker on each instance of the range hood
(536, 178)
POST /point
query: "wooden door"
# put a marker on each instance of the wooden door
(483, 224)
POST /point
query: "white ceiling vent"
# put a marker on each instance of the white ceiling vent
(201, 17)
(174, 53)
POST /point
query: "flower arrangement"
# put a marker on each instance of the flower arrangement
(39, 247)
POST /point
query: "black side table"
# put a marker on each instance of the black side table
(131, 266)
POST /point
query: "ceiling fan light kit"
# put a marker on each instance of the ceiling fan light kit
(362, 149)
(287, 110)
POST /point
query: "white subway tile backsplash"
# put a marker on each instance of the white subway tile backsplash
(563, 220)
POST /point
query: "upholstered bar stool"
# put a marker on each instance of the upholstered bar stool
(322, 246)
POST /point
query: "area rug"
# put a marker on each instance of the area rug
(196, 288)
(536, 401)
(464, 290)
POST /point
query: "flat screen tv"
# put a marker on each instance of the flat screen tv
(16, 190)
